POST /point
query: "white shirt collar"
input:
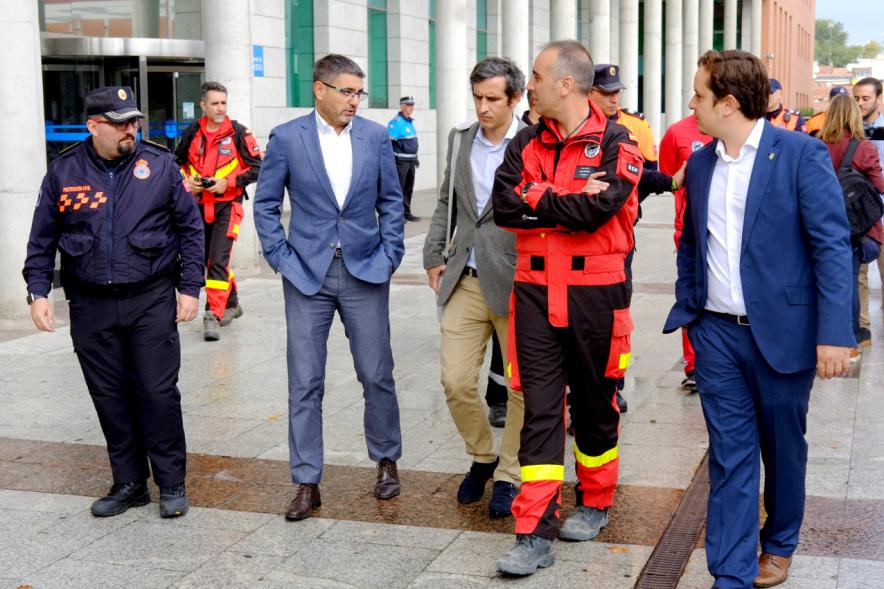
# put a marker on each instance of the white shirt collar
(752, 142)
(326, 129)
(510, 133)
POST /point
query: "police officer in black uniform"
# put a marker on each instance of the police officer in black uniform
(129, 233)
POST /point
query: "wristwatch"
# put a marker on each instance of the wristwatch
(33, 297)
(528, 186)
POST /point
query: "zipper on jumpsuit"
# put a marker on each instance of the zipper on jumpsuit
(110, 229)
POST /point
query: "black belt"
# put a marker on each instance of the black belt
(470, 271)
(120, 290)
(339, 253)
(738, 319)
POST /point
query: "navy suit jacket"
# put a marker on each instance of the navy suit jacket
(369, 226)
(795, 262)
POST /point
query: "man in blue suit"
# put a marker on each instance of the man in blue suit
(345, 240)
(764, 288)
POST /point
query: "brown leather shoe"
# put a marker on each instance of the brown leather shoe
(387, 486)
(772, 570)
(304, 503)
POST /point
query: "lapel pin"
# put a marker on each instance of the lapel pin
(770, 156)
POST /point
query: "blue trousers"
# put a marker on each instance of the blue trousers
(750, 409)
(364, 309)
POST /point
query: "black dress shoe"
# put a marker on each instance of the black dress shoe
(388, 485)
(497, 415)
(121, 497)
(304, 503)
(502, 495)
(621, 402)
(472, 487)
(412, 218)
(173, 501)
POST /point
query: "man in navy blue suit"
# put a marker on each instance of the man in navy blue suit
(344, 242)
(764, 288)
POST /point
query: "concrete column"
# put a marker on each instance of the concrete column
(757, 10)
(707, 17)
(516, 15)
(674, 81)
(227, 30)
(146, 19)
(494, 27)
(653, 64)
(730, 24)
(629, 52)
(538, 26)
(563, 19)
(408, 52)
(615, 33)
(690, 54)
(22, 146)
(745, 16)
(600, 30)
(452, 98)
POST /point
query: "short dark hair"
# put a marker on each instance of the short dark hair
(871, 82)
(573, 60)
(741, 75)
(492, 67)
(333, 65)
(211, 87)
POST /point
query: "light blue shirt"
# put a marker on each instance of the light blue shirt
(485, 158)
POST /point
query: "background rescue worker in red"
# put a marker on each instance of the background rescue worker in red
(129, 234)
(220, 158)
(567, 188)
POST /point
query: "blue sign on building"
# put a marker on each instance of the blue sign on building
(258, 61)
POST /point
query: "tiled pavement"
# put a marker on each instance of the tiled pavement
(52, 463)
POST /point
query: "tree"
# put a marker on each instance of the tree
(871, 50)
(831, 44)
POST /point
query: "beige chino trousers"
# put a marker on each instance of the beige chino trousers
(466, 329)
(864, 290)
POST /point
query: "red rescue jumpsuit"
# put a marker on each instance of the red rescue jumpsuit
(569, 312)
(679, 142)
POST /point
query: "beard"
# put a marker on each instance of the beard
(125, 148)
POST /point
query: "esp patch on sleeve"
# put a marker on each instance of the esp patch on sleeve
(629, 163)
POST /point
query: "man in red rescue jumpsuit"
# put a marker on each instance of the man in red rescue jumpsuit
(679, 142)
(219, 158)
(567, 188)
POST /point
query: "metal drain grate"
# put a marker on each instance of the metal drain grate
(667, 562)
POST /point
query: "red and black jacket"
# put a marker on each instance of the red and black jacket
(555, 222)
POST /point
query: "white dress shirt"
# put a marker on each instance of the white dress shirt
(337, 155)
(724, 224)
(485, 158)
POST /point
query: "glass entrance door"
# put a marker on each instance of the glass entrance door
(173, 96)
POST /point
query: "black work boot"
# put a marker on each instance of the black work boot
(121, 497)
(173, 501)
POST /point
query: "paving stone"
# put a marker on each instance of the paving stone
(472, 553)
(368, 566)
(860, 574)
(231, 569)
(282, 538)
(44, 502)
(150, 544)
(221, 519)
(390, 535)
(447, 581)
(69, 572)
(566, 573)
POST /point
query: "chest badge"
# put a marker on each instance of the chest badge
(591, 150)
(141, 171)
(696, 146)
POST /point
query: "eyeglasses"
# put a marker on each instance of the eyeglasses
(348, 92)
(122, 125)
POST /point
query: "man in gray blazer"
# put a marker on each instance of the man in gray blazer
(344, 241)
(474, 278)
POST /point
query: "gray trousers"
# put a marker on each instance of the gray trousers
(364, 309)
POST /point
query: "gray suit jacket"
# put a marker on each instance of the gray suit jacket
(495, 248)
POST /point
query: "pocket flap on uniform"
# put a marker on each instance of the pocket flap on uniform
(76, 244)
(800, 295)
(622, 323)
(149, 240)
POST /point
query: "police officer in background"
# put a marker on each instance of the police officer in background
(129, 233)
(404, 138)
(778, 114)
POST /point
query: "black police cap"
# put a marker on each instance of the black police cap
(607, 77)
(116, 103)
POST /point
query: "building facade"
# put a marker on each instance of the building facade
(263, 51)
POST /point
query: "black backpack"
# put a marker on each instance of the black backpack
(861, 198)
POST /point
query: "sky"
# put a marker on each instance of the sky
(863, 21)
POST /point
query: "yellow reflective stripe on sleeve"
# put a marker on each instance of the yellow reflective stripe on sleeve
(624, 360)
(225, 170)
(543, 472)
(594, 461)
(236, 229)
(217, 284)
(193, 171)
